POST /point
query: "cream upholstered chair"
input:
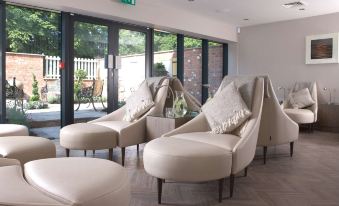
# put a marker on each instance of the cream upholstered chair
(307, 115)
(191, 153)
(134, 133)
(276, 127)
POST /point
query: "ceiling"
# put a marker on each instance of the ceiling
(257, 11)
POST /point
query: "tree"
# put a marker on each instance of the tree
(160, 69)
(35, 90)
(32, 31)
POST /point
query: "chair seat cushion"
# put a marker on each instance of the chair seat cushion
(13, 130)
(225, 141)
(300, 116)
(80, 181)
(88, 136)
(15, 190)
(181, 159)
(115, 125)
(26, 148)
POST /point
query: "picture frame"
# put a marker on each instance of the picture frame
(322, 49)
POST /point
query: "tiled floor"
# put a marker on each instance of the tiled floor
(311, 177)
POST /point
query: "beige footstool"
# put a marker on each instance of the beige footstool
(85, 136)
(13, 130)
(80, 181)
(26, 148)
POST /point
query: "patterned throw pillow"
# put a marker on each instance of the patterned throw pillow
(138, 103)
(226, 111)
(301, 99)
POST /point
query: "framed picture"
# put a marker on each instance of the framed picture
(322, 49)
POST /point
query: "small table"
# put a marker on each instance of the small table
(157, 125)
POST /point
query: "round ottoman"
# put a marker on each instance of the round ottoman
(13, 130)
(176, 159)
(26, 148)
(86, 136)
(80, 181)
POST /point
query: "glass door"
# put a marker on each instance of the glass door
(90, 74)
(131, 62)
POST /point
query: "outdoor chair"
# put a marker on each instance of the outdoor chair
(90, 93)
(15, 92)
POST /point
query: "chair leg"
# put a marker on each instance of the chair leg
(160, 181)
(93, 152)
(123, 156)
(246, 168)
(291, 148)
(92, 100)
(67, 152)
(231, 185)
(85, 153)
(221, 188)
(78, 105)
(102, 102)
(138, 150)
(110, 154)
(265, 154)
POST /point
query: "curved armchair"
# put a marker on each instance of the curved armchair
(134, 133)
(191, 153)
(276, 127)
(307, 115)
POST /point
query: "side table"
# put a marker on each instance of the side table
(159, 125)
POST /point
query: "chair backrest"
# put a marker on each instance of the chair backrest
(276, 127)
(98, 86)
(244, 150)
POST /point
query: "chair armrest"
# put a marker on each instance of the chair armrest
(198, 124)
(133, 134)
(117, 115)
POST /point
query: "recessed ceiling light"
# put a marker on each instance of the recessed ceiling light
(190, 0)
(302, 9)
(295, 4)
(246, 19)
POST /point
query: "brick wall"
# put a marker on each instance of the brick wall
(23, 66)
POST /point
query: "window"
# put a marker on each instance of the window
(193, 66)
(165, 54)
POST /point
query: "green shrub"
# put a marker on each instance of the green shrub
(36, 105)
(35, 90)
(160, 69)
(54, 100)
(80, 75)
(17, 116)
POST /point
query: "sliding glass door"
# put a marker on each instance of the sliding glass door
(131, 62)
(90, 74)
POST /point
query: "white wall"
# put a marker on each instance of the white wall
(278, 49)
(145, 14)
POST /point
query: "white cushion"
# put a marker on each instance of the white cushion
(13, 130)
(15, 190)
(186, 160)
(300, 116)
(80, 181)
(139, 102)
(226, 111)
(301, 99)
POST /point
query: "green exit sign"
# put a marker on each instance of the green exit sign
(131, 2)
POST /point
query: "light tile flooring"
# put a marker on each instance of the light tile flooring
(311, 177)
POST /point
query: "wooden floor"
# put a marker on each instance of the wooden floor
(311, 177)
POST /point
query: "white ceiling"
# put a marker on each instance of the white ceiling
(257, 11)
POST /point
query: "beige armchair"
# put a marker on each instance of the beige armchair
(276, 127)
(134, 133)
(191, 153)
(307, 115)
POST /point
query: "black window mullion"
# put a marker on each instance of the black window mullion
(149, 52)
(225, 60)
(204, 72)
(2, 61)
(180, 57)
(67, 73)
